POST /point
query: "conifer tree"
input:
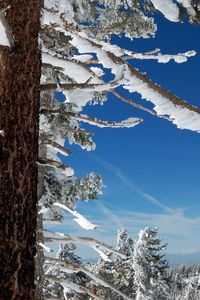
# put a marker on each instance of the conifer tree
(149, 266)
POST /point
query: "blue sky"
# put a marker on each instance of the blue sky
(151, 171)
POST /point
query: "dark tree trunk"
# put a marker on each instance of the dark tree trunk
(19, 115)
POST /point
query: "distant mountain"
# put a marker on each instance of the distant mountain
(185, 258)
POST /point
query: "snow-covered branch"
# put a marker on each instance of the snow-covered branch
(56, 164)
(2, 133)
(101, 87)
(52, 163)
(45, 247)
(57, 147)
(122, 98)
(162, 58)
(67, 284)
(79, 268)
(88, 241)
(130, 122)
(80, 220)
(181, 113)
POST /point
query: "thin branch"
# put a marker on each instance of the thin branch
(122, 98)
(131, 122)
(70, 284)
(46, 65)
(51, 163)
(128, 101)
(66, 238)
(57, 147)
(83, 86)
(80, 268)
(118, 60)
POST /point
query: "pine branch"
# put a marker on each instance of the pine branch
(82, 240)
(80, 268)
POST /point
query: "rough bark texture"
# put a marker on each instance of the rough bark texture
(19, 112)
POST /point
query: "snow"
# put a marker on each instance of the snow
(82, 221)
(181, 116)
(4, 41)
(167, 8)
(84, 46)
(45, 247)
(71, 69)
(102, 254)
(165, 58)
(2, 132)
(98, 71)
(188, 5)
(83, 58)
(128, 123)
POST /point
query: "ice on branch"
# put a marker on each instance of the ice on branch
(82, 221)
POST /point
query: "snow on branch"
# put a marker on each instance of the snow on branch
(67, 171)
(163, 58)
(82, 221)
(79, 268)
(2, 133)
(122, 98)
(67, 284)
(88, 241)
(168, 8)
(45, 247)
(57, 147)
(94, 87)
(130, 122)
(181, 113)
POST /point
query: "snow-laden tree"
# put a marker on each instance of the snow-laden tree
(184, 282)
(75, 59)
(66, 253)
(116, 270)
(149, 266)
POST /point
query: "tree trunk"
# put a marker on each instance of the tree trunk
(19, 118)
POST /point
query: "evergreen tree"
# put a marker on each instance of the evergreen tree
(149, 266)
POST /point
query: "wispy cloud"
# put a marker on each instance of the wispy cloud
(130, 184)
(112, 216)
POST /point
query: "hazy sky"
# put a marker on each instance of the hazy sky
(151, 171)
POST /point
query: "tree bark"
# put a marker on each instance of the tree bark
(19, 119)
